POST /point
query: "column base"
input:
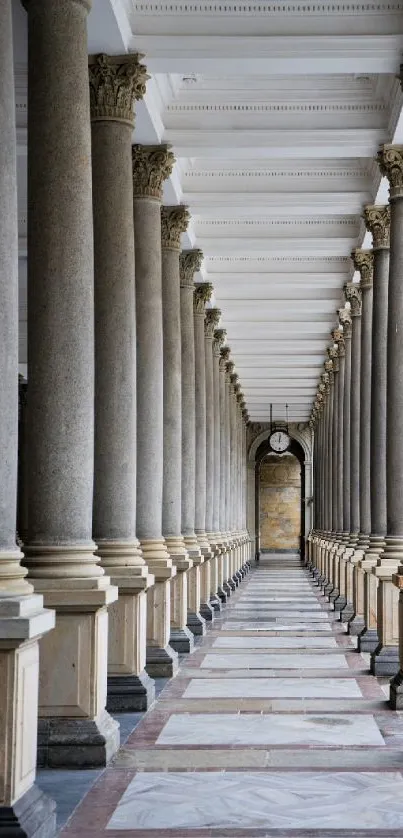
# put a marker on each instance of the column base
(222, 595)
(347, 613)
(328, 589)
(227, 589)
(356, 625)
(32, 816)
(77, 743)
(196, 623)
(334, 595)
(368, 640)
(207, 611)
(216, 603)
(385, 661)
(181, 640)
(161, 662)
(232, 584)
(396, 693)
(339, 602)
(130, 693)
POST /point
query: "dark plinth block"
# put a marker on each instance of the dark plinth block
(130, 693)
(216, 603)
(339, 603)
(32, 816)
(161, 663)
(181, 640)
(356, 625)
(347, 613)
(77, 743)
(385, 661)
(223, 596)
(196, 623)
(368, 640)
(207, 611)
(396, 691)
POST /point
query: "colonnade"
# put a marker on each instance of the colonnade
(134, 478)
(356, 545)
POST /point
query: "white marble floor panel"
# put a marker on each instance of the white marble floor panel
(261, 660)
(275, 643)
(280, 605)
(273, 688)
(246, 800)
(243, 625)
(257, 729)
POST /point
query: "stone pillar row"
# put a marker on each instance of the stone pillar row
(363, 552)
(134, 487)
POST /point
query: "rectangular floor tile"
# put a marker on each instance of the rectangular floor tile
(257, 729)
(275, 643)
(273, 688)
(246, 800)
(273, 626)
(271, 661)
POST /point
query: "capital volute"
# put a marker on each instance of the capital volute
(189, 263)
(377, 222)
(218, 341)
(174, 222)
(116, 83)
(363, 261)
(202, 295)
(151, 166)
(390, 160)
(352, 293)
(211, 320)
(345, 321)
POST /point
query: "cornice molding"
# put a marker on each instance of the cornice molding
(195, 7)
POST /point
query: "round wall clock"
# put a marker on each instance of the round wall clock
(279, 441)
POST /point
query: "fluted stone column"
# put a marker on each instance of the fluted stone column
(229, 398)
(332, 459)
(190, 262)
(23, 620)
(115, 84)
(216, 577)
(341, 556)
(174, 221)
(210, 579)
(151, 165)
(377, 219)
(74, 728)
(338, 337)
(388, 657)
(223, 592)
(225, 352)
(363, 262)
(353, 296)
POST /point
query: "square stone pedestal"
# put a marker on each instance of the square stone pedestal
(385, 658)
(161, 659)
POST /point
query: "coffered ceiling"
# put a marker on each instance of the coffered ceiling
(275, 111)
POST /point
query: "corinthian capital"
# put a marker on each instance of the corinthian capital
(211, 320)
(202, 295)
(345, 322)
(152, 164)
(333, 355)
(174, 222)
(377, 222)
(338, 337)
(363, 261)
(390, 160)
(352, 293)
(116, 82)
(218, 342)
(189, 262)
(225, 354)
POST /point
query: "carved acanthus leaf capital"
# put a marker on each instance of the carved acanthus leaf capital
(377, 221)
(202, 295)
(152, 164)
(363, 261)
(116, 82)
(390, 160)
(333, 354)
(211, 320)
(189, 262)
(219, 340)
(174, 222)
(230, 366)
(353, 295)
(345, 321)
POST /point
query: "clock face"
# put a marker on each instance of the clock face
(279, 441)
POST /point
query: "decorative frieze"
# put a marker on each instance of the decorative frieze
(116, 83)
(174, 222)
(211, 320)
(202, 295)
(377, 222)
(363, 261)
(152, 165)
(189, 263)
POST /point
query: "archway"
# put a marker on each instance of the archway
(286, 472)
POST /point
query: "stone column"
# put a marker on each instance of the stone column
(328, 471)
(115, 84)
(353, 296)
(231, 380)
(341, 601)
(228, 587)
(377, 220)
(174, 221)
(210, 579)
(363, 262)
(223, 592)
(389, 654)
(216, 577)
(333, 354)
(190, 262)
(151, 165)
(74, 728)
(23, 620)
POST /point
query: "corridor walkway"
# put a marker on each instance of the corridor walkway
(273, 727)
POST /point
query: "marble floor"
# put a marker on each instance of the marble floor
(272, 727)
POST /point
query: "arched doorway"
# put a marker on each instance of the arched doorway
(279, 499)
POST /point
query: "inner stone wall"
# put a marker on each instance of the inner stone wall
(280, 502)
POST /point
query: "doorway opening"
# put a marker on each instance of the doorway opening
(279, 500)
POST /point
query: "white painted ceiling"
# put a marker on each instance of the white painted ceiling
(275, 111)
